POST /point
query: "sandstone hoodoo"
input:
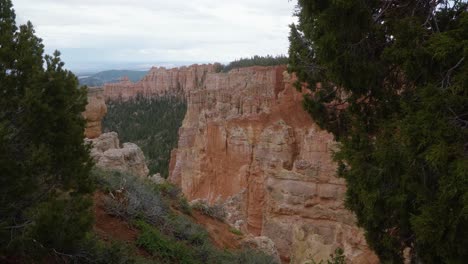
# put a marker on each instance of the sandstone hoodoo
(95, 111)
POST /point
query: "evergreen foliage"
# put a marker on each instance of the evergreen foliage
(152, 124)
(254, 61)
(96, 251)
(393, 91)
(44, 163)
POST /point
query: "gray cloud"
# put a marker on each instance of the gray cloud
(152, 31)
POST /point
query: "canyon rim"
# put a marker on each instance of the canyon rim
(246, 143)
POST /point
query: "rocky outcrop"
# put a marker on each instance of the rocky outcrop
(247, 142)
(264, 244)
(108, 155)
(157, 179)
(95, 111)
(160, 81)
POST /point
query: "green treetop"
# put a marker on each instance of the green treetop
(389, 80)
(44, 164)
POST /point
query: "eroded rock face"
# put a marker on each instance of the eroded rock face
(246, 141)
(95, 111)
(108, 155)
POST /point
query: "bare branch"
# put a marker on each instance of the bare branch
(386, 6)
(459, 121)
(446, 80)
(18, 226)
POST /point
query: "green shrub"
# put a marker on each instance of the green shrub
(141, 198)
(235, 231)
(61, 224)
(336, 258)
(185, 229)
(164, 248)
(96, 251)
(216, 211)
(169, 190)
(184, 206)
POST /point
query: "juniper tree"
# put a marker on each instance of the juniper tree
(44, 164)
(389, 80)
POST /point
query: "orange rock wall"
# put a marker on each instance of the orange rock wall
(247, 142)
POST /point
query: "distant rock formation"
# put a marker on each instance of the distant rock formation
(94, 113)
(159, 82)
(108, 155)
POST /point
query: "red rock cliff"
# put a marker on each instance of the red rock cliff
(246, 142)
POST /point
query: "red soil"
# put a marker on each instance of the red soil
(108, 227)
(218, 231)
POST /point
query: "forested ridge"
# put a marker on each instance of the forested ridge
(256, 60)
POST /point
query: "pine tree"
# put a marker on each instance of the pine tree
(151, 124)
(389, 80)
(44, 164)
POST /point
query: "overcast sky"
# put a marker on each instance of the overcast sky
(95, 34)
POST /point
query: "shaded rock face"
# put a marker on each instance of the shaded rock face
(95, 111)
(247, 142)
(159, 82)
(108, 155)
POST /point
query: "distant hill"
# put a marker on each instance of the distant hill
(111, 76)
